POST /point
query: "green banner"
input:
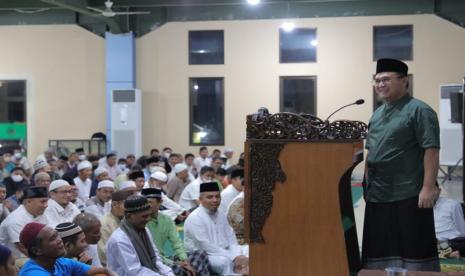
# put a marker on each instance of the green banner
(13, 131)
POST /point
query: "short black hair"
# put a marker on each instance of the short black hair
(206, 169)
(110, 155)
(187, 155)
(154, 150)
(202, 148)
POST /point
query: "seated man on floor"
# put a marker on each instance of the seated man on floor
(99, 204)
(130, 249)
(60, 208)
(90, 225)
(207, 229)
(74, 241)
(163, 229)
(449, 224)
(110, 222)
(34, 204)
(45, 250)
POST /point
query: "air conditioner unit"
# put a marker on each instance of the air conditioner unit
(126, 122)
(450, 132)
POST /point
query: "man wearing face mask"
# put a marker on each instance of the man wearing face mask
(189, 198)
(21, 161)
(151, 165)
(16, 179)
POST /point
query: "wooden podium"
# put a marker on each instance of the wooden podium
(299, 217)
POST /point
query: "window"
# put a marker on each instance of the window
(12, 101)
(393, 42)
(298, 45)
(377, 101)
(298, 94)
(206, 47)
(206, 111)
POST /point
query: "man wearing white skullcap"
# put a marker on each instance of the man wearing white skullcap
(228, 154)
(83, 181)
(172, 209)
(100, 174)
(128, 185)
(60, 209)
(177, 184)
(100, 205)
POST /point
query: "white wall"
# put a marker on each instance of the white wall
(344, 69)
(65, 73)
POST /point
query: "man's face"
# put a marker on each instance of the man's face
(93, 233)
(140, 219)
(229, 154)
(111, 161)
(62, 195)
(155, 204)
(74, 250)
(130, 160)
(85, 173)
(390, 86)
(43, 181)
(2, 194)
(74, 193)
(18, 172)
(189, 161)
(140, 181)
(203, 153)
(117, 208)
(51, 245)
(183, 175)
(217, 163)
(104, 194)
(210, 200)
(37, 205)
(73, 157)
(103, 176)
(155, 183)
(208, 176)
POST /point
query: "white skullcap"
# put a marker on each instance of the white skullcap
(228, 150)
(99, 171)
(158, 169)
(57, 184)
(39, 164)
(180, 167)
(105, 184)
(159, 176)
(84, 165)
(127, 184)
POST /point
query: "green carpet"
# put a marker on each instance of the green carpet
(452, 265)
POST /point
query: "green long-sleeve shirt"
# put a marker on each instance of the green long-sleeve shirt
(163, 229)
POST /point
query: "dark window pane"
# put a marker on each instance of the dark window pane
(12, 101)
(298, 45)
(206, 47)
(298, 95)
(377, 101)
(393, 42)
(206, 111)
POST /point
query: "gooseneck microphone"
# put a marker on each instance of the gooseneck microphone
(357, 102)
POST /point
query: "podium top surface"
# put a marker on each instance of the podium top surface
(302, 127)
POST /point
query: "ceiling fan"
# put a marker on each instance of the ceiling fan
(108, 12)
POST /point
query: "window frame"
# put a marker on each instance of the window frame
(315, 86)
(189, 47)
(298, 62)
(395, 25)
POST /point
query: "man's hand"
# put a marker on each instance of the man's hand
(186, 266)
(85, 258)
(428, 196)
(241, 265)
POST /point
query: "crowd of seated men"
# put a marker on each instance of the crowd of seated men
(160, 214)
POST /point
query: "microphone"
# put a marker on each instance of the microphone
(357, 102)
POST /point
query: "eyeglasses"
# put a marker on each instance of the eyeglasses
(64, 192)
(377, 82)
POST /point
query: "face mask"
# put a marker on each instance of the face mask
(166, 154)
(206, 179)
(82, 157)
(122, 167)
(18, 155)
(17, 178)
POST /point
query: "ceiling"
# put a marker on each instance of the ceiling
(33, 12)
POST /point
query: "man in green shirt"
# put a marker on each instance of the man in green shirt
(400, 176)
(163, 229)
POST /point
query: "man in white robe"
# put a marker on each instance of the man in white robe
(207, 229)
(130, 249)
(83, 181)
(189, 198)
(233, 190)
(60, 209)
(34, 203)
(100, 204)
